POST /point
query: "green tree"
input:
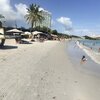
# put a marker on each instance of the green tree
(54, 32)
(34, 15)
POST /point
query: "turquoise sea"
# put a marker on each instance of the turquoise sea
(75, 53)
(91, 48)
(93, 44)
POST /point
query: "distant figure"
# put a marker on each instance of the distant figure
(83, 59)
(99, 50)
(91, 48)
(75, 44)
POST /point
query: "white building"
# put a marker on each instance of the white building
(47, 19)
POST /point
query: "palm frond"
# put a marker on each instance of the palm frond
(33, 14)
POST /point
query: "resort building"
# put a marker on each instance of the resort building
(47, 19)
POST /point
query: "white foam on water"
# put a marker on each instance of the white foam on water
(95, 56)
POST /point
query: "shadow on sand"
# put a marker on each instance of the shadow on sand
(5, 47)
(25, 42)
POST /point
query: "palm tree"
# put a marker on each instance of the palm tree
(34, 15)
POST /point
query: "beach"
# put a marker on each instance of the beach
(47, 71)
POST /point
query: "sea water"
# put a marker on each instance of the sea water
(93, 44)
(75, 51)
(92, 48)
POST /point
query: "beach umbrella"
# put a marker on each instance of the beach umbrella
(36, 32)
(27, 32)
(54, 35)
(14, 31)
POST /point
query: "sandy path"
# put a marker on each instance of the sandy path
(17, 67)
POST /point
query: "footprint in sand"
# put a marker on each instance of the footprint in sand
(54, 97)
(76, 81)
(2, 96)
(3, 59)
(41, 78)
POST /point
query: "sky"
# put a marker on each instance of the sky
(78, 17)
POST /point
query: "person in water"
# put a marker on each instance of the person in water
(83, 59)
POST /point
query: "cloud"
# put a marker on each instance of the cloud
(42, 9)
(11, 14)
(6, 9)
(21, 9)
(66, 22)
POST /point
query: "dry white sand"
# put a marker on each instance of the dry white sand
(43, 71)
